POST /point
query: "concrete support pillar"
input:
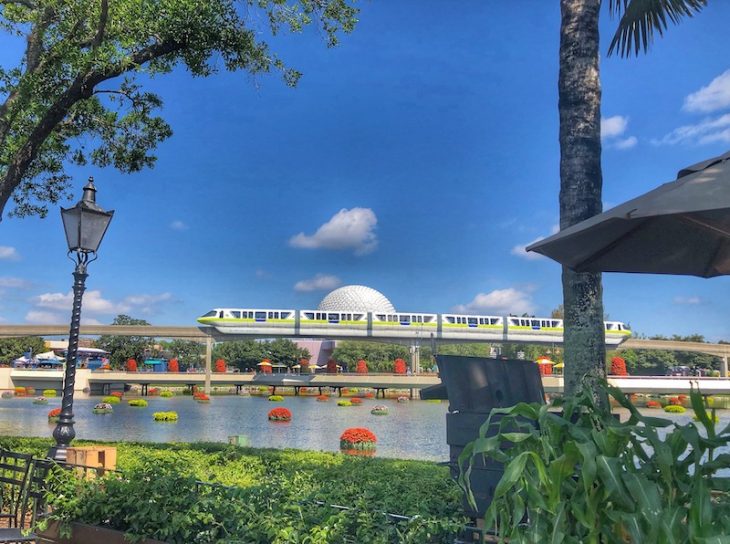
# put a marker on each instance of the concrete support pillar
(208, 363)
(415, 358)
(723, 367)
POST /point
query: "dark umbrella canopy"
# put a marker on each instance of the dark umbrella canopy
(681, 227)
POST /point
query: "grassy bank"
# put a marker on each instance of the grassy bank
(275, 495)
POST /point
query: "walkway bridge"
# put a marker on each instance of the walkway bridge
(209, 335)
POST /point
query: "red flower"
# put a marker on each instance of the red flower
(131, 365)
(362, 367)
(358, 438)
(220, 366)
(618, 366)
(117, 394)
(399, 366)
(280, 414)
(54, 413)
(323, 398)
(675, 401)
(173, 365)
(356, 400)
(653, 404)
(201, 397)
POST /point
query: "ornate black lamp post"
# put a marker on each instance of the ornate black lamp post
(85, 225)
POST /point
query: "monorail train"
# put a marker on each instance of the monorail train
(416, 326)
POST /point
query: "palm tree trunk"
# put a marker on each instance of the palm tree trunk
(579, 90)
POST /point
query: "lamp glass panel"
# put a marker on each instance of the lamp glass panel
(71, 223)
(93, 228)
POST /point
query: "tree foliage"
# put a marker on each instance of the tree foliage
(12, 348)
(379, 356)
(188, 352)
(247, 354)
(122, 348)
(74, 96)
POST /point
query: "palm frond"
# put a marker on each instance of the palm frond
(641, 18)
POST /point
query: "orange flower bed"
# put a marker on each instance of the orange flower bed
(117, 394)
(280, 414)
(201, 397)
(674, 401)
(356, 401)
(322, 398)
(369, 395)
(153, 392)
(653, 404)
(20, 391)
(358, 438)
(54, 414)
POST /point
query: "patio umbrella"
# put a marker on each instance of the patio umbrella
(264, 363)
(681, 227)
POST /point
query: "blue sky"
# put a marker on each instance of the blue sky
(417, 157)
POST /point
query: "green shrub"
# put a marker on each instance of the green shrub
(276, 398)
(583, 476)
(674, 409)
(49, 393)
(344, 403)
(111, 399)
(167, 394)
(139, 403)
(165, 416)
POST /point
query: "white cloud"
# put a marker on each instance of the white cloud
(712, 97)
(8, 253)
(320, 282)
(613, 126)
(692, 300)
(611, 130)
(708, 130)
(499, 302)
(348, 229)
(178, 225)
(625, 143)
(40, 317)
(14, 283)
(519, 249)
(94, 303)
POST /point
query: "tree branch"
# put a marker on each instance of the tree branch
(81, 88)
(103, 17)
(25, 3)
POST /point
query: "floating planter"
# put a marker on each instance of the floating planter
(103, 408)
(138, 403)
(111, 399)
(154, 392)
(356, 401)
(202, 398)
(369, 395)
(49, 392)
(53, 415)
(117, 394)
(344, 403)
(40, 400)
(165, 416)
(653, 404)
(675, 409)
(358, 438)
(276, 398)
(379, 410)
(167, 394)
(323, 398)
(7, 395)
(403, 399)
(20, 391)
(279, 414)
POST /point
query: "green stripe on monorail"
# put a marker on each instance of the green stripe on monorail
(465, 326)
(214, 320)
(398, 324)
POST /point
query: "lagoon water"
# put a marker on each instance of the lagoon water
(412, 430)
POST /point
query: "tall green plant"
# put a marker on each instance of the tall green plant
(584, 476)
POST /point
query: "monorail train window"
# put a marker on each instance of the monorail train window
(210, 313)
(449, 319)
(380, 317)
(609, 326)
(405, 319)
(309, 315)
(236, 314)
(472, 321)
(494, 320)
(260, 315)
(333, 317)
(358, 317)
(284, 315)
